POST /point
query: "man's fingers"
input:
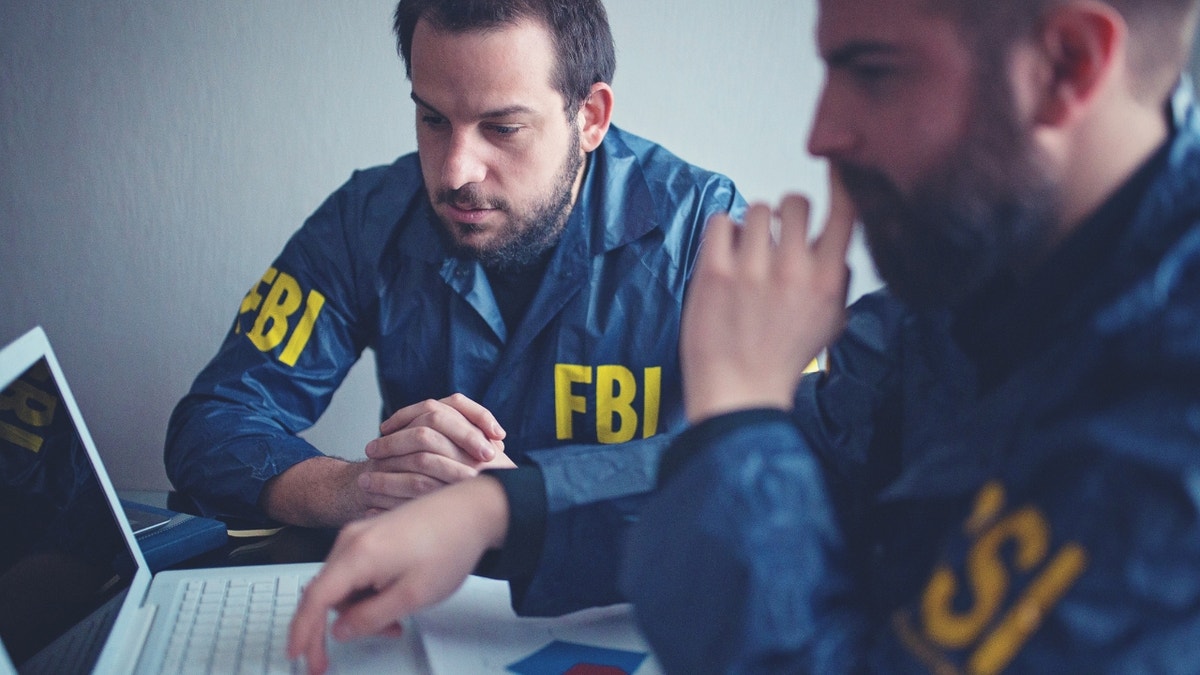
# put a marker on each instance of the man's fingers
(440, 428)
(307, 634)
(394, 449)
(409, 414)
(502, 461)
(307, 639)
(377, 613)
(716, 251)
(755, 241)
(374, 503)
(480, 417)
(428, 463)
(403, 486)
(835, 238)
(384, 568)
(794, 212)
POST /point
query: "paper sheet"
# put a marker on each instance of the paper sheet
(476, 631)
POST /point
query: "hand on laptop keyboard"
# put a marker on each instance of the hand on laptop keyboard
(386, 567)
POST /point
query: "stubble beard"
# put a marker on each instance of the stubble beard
(526, 235)
(988, 209)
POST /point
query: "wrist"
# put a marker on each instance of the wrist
(489, 505)
(700, 407)
(317, 492)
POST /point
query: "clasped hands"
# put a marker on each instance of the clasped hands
(429, 445)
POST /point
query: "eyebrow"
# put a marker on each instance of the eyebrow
(506, 111)
(847, 53)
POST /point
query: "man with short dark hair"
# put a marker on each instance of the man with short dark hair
(998, 469)
(997, 472)
(520, 279)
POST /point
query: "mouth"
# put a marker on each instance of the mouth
(467, 213)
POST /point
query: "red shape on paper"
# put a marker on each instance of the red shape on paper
(594, 669)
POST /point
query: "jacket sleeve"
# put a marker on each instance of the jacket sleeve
(290, 347)
(1079, 545)
(739, 565)
(1080, 552)
(569, 513)
(572, 506)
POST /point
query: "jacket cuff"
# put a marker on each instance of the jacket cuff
(525, 489)
(695, 439)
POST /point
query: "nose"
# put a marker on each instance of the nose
(464, 163)
(832, 134)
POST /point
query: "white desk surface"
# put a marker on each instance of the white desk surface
(476, 631)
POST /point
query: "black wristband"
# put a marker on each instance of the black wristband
(525, 489)
(695, 438)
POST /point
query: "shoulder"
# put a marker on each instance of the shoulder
(372, 202)
(1155, 316)
(378, 186)
(878, 313)
(1137, 398)
(1154, 323)
(670, 177)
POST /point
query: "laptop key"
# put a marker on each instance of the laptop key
(234, 627)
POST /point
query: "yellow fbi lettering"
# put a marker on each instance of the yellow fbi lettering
(27, 408)
(280, 316)
(1004, 543)
(612, 395)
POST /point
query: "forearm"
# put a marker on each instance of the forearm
(318, 492)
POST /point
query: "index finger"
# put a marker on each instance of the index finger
(835, 238)
(440, 430)
(474, 413)
(306, 637)
(716, 249)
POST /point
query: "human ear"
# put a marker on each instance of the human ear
(595, 116)
(1080, 42)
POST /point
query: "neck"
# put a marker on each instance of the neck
(1102, 157)
(580, 174)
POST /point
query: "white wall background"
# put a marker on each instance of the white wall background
(1195, 67)
(154, 157)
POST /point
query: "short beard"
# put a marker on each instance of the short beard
(987, 210)
(528, 236)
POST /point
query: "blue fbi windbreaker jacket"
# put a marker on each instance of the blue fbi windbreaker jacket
(594, 361)
(921, 512)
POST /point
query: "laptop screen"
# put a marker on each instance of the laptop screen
(63, 555)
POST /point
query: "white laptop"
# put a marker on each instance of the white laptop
(75, 593)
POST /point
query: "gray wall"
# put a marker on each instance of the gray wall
(154, 157)
(1196, 65)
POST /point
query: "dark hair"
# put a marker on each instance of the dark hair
(579, 29)
(1161, 31)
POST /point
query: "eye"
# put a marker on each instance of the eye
(872, 73)
(876, 79)
(433, 121)
(504, 129)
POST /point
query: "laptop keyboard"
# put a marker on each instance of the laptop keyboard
(233, 626)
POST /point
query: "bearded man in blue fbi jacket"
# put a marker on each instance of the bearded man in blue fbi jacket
(520, 279)
(1000, 469)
